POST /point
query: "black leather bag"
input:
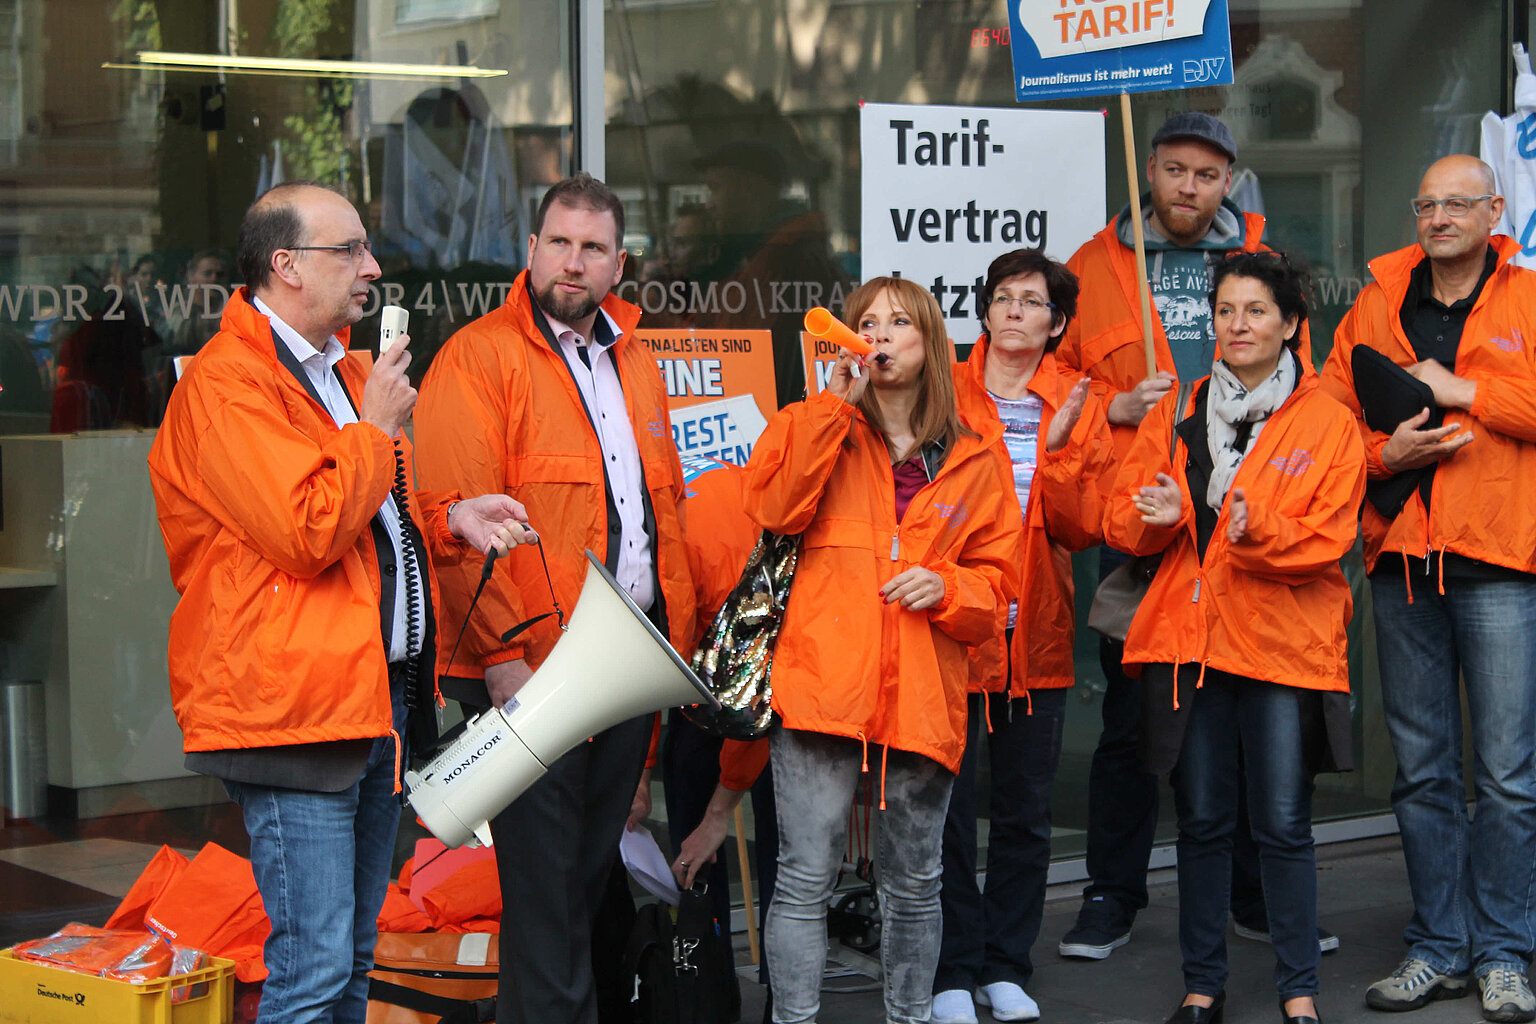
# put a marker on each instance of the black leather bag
(1389, 395)
(685, 970)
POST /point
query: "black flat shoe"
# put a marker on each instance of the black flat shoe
(1302, 1019)
(1192, 1014)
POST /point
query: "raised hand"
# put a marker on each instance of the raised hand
(1160, 504)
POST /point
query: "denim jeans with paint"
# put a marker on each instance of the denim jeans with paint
(814, 778)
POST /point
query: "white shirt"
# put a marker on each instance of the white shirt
(319, 366)
(600, 388)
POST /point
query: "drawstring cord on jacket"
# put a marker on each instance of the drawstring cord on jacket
(395, 735)
(1407, 576)
(1441, 571)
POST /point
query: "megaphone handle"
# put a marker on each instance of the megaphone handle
(559, 612)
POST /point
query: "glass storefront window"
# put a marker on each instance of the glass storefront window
(731, 134)
(129, 162)
(133, 135)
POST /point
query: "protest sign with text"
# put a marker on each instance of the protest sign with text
(948, 189)
(720, 386)
(1067, 48)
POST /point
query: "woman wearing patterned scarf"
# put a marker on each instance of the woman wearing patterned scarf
(1240, 639)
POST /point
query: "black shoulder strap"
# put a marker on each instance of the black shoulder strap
(452, 1011)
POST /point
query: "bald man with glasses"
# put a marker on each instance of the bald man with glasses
(302, 656)
(1452, 563)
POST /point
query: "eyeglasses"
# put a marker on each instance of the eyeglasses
(352, 249)
(1454, 206)
(1028, 302)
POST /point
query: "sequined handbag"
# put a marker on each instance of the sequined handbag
(735, 657)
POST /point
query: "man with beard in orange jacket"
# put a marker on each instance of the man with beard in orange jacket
(301, 653)
(551, 399)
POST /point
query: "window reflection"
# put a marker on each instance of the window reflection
(130, 180)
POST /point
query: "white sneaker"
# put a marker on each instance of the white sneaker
(1008, 1001)
(953, 1006)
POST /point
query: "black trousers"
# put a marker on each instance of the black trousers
(987, 935)
(690, 763)
(555, 847)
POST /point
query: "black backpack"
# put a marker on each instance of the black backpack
(685, 971)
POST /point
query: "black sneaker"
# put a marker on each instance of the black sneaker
(1257, 929)
(1102, 927)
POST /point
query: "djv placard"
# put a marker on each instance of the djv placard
(1089, 47)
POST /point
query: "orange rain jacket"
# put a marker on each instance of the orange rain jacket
(1066, 506)
(1104, 339)
(846, 663)
(265, 507)
(499, 412)
(1481, 506)
(1274, 605)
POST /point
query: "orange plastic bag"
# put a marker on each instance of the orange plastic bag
(471, 892)
(213, 905)
(122, 954)
(418, 978)
(162, 871)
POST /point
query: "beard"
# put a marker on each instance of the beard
(568, 309)
(1181, 226)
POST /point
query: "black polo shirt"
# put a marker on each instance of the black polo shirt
(1434, 329)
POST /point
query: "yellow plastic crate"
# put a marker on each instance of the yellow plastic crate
(34, 994)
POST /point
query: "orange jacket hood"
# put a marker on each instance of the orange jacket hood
(1273, 606)
(1066, 504)
(264, 507)
(847, 664)
(1481, 507)
(500, 413)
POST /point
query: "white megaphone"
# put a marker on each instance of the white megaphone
(610, 666)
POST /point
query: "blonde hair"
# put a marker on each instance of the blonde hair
(935, 414)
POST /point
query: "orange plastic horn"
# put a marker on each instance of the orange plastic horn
(822, 324)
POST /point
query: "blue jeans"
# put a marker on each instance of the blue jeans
(1472, 885)
(987, 936)
(1123, 797)
(1237, 722)
(814, 778)
(322, 863)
